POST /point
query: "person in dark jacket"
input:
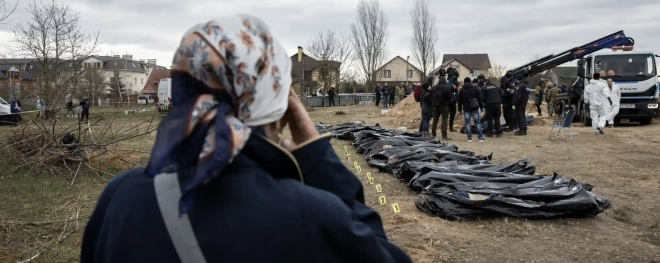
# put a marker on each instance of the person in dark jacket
(377, 93)
(84, 104)
(392, 95)
(331, 96)
(507, 104)
(385, 92)
(493, 101)
(469, 103)
(520, 97)
(427, 109)
(15, 111)
(441, 98)
(227, 187)
(69, 109)
(452, 105)
(429, 80)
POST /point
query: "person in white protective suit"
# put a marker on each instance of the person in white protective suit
(615, 97)
(597, 95)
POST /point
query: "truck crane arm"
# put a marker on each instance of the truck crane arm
(552, 60)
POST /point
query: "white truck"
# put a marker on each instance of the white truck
(635, 74)
(164, 94)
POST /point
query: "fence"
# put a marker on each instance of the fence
(342, 100)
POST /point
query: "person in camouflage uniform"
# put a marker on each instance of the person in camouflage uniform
(553, 105)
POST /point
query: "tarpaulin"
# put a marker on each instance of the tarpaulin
(461, 185)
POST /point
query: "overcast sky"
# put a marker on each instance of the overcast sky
(510, 31)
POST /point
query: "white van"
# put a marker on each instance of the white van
(164, 94)
(5, 111)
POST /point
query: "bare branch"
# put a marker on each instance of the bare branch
(369, 38)
(6, 12)
(53, 37)
(425, 36)
(498, 70)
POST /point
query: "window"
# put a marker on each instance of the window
(387, 73)
(410, 72)
(134, 80)
(141, 81)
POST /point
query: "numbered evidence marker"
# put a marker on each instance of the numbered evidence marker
(368, 175)
(371, 180)
(378, 188)
(382, 200)
(348, 156)
(355, 165)
(359, 169)
(345, 149)
(395, 208)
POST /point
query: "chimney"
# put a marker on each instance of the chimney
(151, 61)
(116, 56)
(127, 57)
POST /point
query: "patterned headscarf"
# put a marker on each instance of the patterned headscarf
(228, 75)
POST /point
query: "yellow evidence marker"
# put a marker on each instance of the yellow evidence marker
(378, 188)
(345, 149)
(371, 180)
(355, 164)
(395, 208)
(368, 174)
(359, 169)
(348, 156)
(382, 200)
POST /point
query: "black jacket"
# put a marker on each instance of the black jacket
(377, 92)
(331, 93)
(521, 95)
(467, 93)
(492, 94)
(393, 90)
(258, 203)
(441, 94)
(427, 104)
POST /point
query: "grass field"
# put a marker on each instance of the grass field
(43, 212)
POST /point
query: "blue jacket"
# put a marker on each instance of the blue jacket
(258, 210)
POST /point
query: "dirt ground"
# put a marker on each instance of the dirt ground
(622, 165)
(42, 216)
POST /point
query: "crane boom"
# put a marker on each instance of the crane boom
(552, 60)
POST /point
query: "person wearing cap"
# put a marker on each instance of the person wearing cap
(507, 104)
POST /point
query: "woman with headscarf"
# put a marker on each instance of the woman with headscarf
(222, 184)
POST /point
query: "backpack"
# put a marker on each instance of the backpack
(85, 105)
(418, 94)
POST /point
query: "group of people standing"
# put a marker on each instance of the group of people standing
(548, 91)
(388, 94)
(471, 99)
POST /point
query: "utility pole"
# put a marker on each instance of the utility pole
(407, 58)
(301, 58)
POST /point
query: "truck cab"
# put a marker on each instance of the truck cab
(635, 74)
(164, 94)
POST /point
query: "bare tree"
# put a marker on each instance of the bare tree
(331, 47)
(369, 35)
(54, 38)
(498, 70)
(92, 84)
(425, 36)
(6, 12)
(118, 88)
